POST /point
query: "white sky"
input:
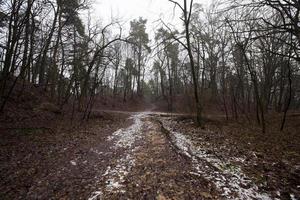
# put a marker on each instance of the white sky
(106, 11)
(127, 10)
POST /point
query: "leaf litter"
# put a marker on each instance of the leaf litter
(228, 178)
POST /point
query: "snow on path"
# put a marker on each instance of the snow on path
(122, 139)
(229, 179)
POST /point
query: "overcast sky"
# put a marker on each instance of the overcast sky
(104, 11)
(127, 10)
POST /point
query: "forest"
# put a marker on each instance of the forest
(203, 106)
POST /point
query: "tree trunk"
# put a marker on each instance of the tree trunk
(190, 54)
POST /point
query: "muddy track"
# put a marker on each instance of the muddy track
(149, 167)
(146, 159)
(153, 162)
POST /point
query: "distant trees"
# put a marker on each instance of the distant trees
(270, 29)
(166, 65)
(140, 39)
(48, 44)
(186, 11)
(33, 40)
(244, 61)
(242, 57)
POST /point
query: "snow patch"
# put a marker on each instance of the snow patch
(126, 137)
(228, 178)
(122, 139)
(293, 197)
(96, 151)
(115, 177)
(73, 163)
(96, 195)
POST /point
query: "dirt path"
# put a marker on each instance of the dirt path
(146, 160)
(150, 161)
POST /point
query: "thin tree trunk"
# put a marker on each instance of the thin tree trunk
(289, 96)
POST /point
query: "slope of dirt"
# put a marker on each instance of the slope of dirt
(29, 106)
(117, 103)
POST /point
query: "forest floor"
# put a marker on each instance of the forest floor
(147, 155)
